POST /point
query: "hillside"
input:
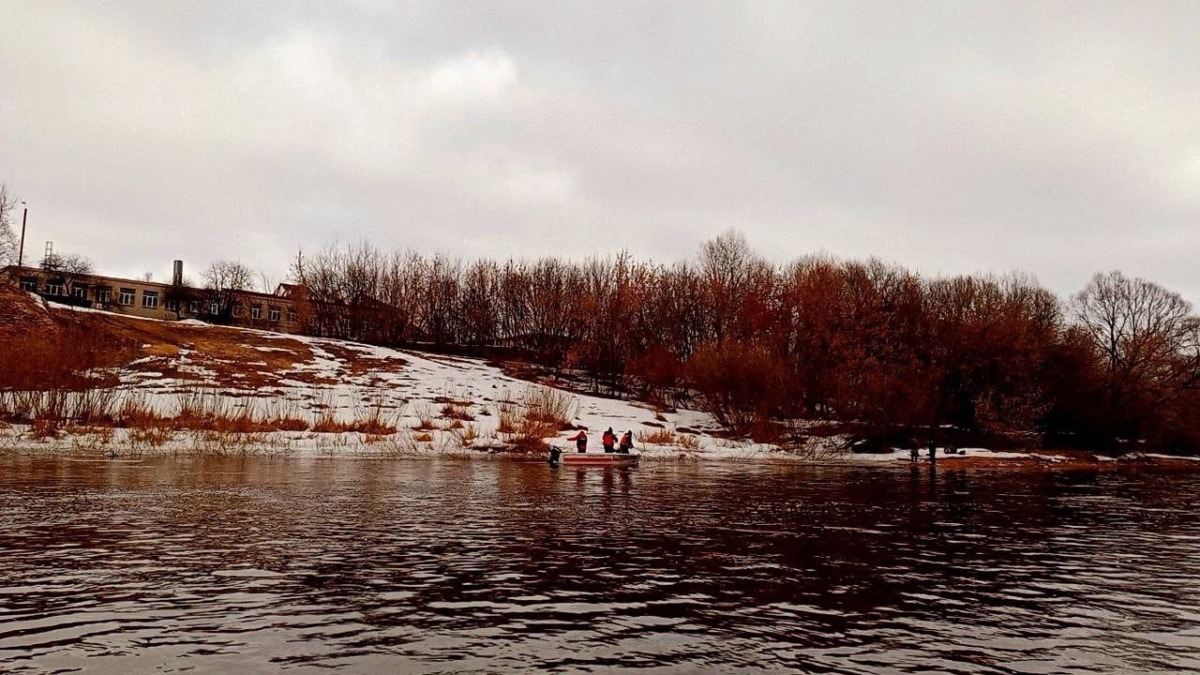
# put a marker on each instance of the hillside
(22, 315)
(296, 393)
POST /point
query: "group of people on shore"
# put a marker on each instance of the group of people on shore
(608, 439)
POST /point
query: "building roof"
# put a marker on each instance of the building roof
(102, 279)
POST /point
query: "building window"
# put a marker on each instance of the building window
(255, 311)
(273, 314)
(150, 299)
(104, 294)
(79, 292)
(29, 284)
(172, 305)
(54, 288)
(126, 297)
(237, 310)
(193, 307)
(292, 315)
(214, 307)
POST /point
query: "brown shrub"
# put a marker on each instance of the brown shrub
(468, 434)
(739, 383)
(765, 431)
(550, 406)
(151, 436)
(423, 411)
(657, 437)
(46, 428)
(457, 411)
(509, 415)
(290, 424)
(328, 424)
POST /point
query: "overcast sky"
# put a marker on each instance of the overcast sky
(1057, 139)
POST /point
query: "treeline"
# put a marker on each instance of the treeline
(756, 344)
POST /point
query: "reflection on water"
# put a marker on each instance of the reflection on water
(439, 567)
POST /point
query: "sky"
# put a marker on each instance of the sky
(1054, 139)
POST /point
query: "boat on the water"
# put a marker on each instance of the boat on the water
(558, 457)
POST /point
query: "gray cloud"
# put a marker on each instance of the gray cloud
(1056, 139)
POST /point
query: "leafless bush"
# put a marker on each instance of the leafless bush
(458, 411)
(552, 407)
(657, 437)
(508, 414)
(423, 410)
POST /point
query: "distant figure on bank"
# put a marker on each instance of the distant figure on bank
(932, 452)
(626, 442)
(609, 440)
(914, 453)
(580, 441)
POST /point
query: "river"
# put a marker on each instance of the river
(270, 565)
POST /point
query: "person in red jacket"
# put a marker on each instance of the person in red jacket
(610, 440)
(626, 442)
(580, 440)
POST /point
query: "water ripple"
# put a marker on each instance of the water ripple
(437, 567)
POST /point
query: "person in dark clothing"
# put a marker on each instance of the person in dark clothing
(580, 440)
(914, 453)
(626, 442)
(609, 439)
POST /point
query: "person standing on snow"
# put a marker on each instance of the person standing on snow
(580, 440)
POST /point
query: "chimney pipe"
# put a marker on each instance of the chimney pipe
(177, 275)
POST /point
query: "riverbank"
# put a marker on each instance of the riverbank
(189, 388)
(106, 443)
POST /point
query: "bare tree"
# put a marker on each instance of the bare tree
(1148, 344)
(179, 298)
(224, 280)
(266, 282)
(1139, 327)
(8, 238)
(70, 270)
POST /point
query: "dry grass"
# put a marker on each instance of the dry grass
(423, 411)
(150, 436)
(202, 410)
(467, 435)
(684, 441)
(367, 419)
(657, 437)
(541, 414)
(68, 359)
(45, 428)
(458, 411)
(508, 415)
(57, 348)
(552, 407)
(530, 435)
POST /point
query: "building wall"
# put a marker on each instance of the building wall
(153, 300)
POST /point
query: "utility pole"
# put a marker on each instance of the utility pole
(21, 251)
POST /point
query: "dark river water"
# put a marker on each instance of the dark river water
(262, 566)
